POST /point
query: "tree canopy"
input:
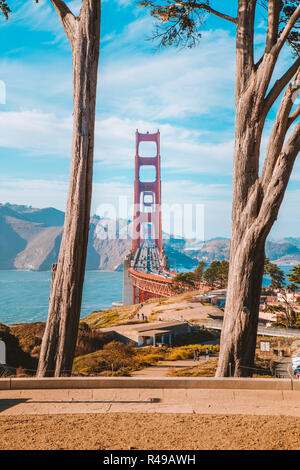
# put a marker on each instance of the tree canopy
(276, 274)
(180, 22)
(294, 277)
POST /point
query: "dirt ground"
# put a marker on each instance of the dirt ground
(125, 431)
(180, 308)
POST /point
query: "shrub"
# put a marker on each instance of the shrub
(89, 341)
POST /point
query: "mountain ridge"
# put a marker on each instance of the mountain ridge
(30, 239)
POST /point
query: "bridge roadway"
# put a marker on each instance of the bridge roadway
(148, 260)
(149, 276)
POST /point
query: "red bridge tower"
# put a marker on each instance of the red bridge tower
(147, 196)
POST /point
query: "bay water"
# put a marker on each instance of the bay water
(24, 295)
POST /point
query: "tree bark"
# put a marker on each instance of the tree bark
(59, 341)
(256, 198)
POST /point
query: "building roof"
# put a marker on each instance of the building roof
(154, 332)
(160, 325)
(139, 327)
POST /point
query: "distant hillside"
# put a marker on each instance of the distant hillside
(211, 250)
(285, 252)
(30, 239)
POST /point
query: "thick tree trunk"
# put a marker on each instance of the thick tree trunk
(59, 341)
(253, 215)
(247, 255)
(256, 199)
(238, 338)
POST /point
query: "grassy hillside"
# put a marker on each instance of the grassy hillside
(23, 343)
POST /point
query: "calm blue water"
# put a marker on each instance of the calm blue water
(24, 294)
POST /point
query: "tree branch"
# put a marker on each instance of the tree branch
(68, 20)
(285, 33)
(280, 85)
(294, 116)
(244, 43)
(276, 186)
(278, 134)
(4, 8)
(274, 8)
(218, 13)
(189, 5)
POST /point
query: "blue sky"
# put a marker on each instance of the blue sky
(187, 94)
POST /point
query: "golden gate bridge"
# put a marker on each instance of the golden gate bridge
(146, 267)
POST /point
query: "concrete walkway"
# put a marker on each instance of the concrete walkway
(277, 400)
(162, 369)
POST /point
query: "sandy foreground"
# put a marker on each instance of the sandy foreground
(125, 431)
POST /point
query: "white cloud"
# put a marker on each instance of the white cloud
(169, 84)
(39, 133)
(137, 89)
(35, 133)
(37, 193)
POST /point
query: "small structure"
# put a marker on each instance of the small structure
(288, 296)
(155, 337)
(147, 334)
(216, 297)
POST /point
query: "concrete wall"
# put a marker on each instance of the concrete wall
(206, 383)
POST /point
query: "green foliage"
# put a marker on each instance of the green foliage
(217, 272)
(199, 271)
(276, 274)
(294, 277)
(23, 342)
(288, 8)
(223, 272)
(179, 23)
(183, 281)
